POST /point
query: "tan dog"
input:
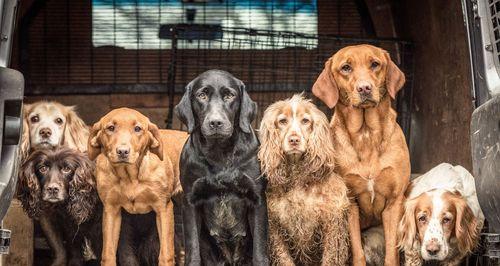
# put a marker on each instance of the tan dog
(306, 200)
(370, 147)
(137, 170)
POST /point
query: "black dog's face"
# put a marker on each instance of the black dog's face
(216, 101)
(54, 175)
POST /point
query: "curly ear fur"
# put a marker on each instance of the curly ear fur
(248, 109)
(407, 229)
(94, 144)
(25, 139)
(155, 144)
(466, 227)
(76, 132)
(270, 153)
(183, 109)
(320, 153)
(82, 194)
(29, 190)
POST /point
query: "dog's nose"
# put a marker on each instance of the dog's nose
(364, 89)
(53, 189)
(433, 247)
(123, 151)
(215, 124)
(45, 132)
(294, 140)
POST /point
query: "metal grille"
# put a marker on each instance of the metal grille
(59, 51)
(494, 15)
(279, 64)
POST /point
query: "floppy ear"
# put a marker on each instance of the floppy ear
(407, 230)
(270, 154)
(394, 79)
(25, 139)
(94, 143)
(320, 153)
(155, 143)
(183, 109)
(76, 131)
(466, 230)
(248, 110)
(29, 189)
(325, 87)
(82, 194)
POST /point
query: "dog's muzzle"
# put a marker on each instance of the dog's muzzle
(217, 127)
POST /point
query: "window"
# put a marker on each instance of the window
(136, 24)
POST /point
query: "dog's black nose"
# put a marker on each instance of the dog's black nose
(216, 124)
(45, 132)
(53, 189)
(294, 140)
(364, 89)
(123, 151)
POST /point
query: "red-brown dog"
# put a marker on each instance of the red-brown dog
(372, 155)
(137, 169)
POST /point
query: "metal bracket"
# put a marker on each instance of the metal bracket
(492, 245)
(4, 241)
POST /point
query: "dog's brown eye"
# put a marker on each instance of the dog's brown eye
(374, 65)
(422, 219)
(305, 121)
(34, 119)
(346, 68)
(446, 220)
(283, 121)
(59, 121)
(111, 128)
(137, 129)
(43, 169)
(66, 169)
(202, 96)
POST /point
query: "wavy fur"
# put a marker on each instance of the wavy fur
(307, 201)
(317, 162)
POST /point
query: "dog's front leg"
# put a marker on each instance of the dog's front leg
(111, 223)
(279, 249)
(390, 218)
(335, 241)
(259, 226)
(165, 227)
(55, 240)
(192, 225)
(358, 255)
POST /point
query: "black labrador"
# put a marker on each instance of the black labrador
(218, 111)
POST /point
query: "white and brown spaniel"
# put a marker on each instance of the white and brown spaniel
(49, 125)
(442, 217)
